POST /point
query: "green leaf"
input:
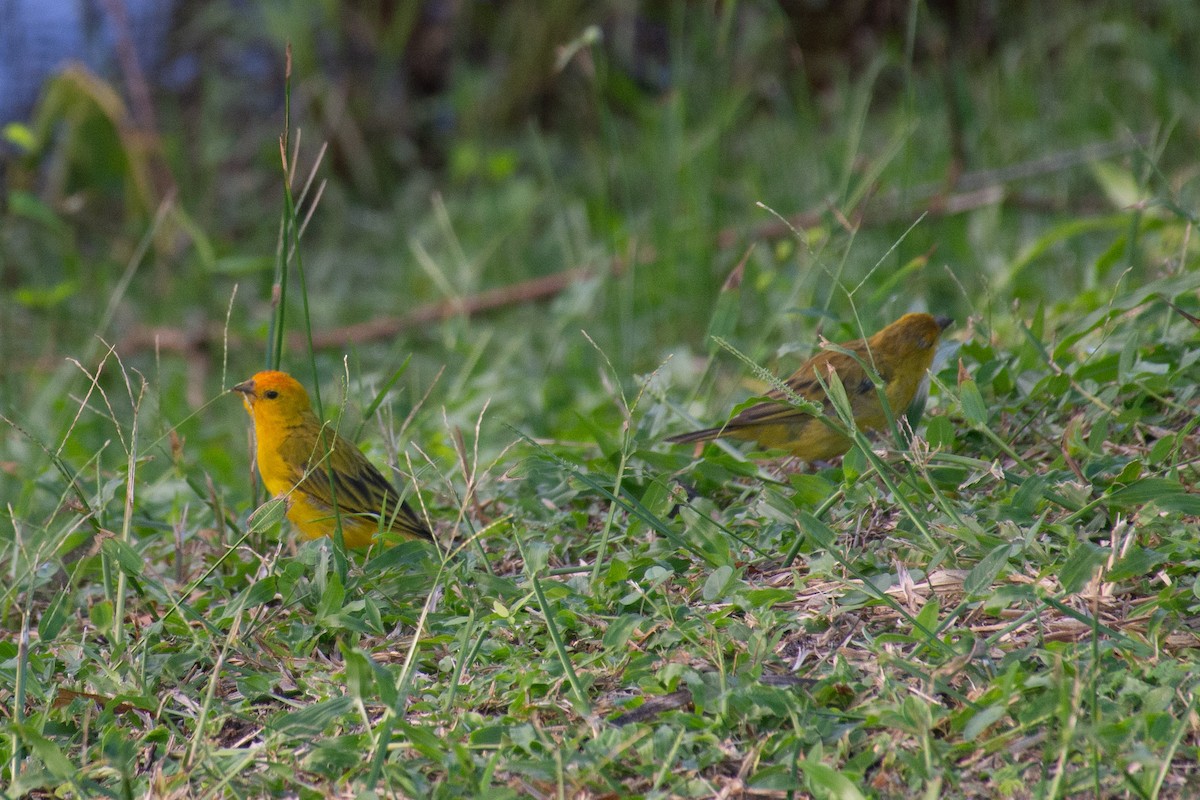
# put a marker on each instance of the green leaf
(609, 445)
(489, 736)
(926, 621)
(618, 571)
(983, 575)
(333, 598)
(31, 207)
(47, 752)
(821, 533)
(836, 393)
(1081, 566)
(940, 433)
(19, 135)
(45, 297)
(54, 617)
(360, 677)
(973, 406)
(1135, 563)
(620, 629)
(1157, 490)
(101, 614)
(1120, 185)
(268, 515)
(982, 720)
(854, 464)
(765, 598)
(311, 720)
(1162, 449)
(425, 740)
(827, 781)
(775, 778)
(658, 498)
(261, 591)
(809, 490)
(717, 582)
(1030, 493)
(1187, 504)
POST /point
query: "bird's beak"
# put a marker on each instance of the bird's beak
(942, 323)
(245, 387)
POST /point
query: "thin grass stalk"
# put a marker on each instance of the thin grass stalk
(213, 679)
(118, 631)
(560, 648)
(275, 327)
(20, 688)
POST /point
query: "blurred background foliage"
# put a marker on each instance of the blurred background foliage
(944, 155)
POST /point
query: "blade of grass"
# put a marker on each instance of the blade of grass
(582, 704)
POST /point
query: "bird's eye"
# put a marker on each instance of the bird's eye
(270, 394)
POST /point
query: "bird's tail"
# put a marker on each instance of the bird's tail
(412, 526)
(704, 435)
(406, 522)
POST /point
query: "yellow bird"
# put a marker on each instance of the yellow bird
(900, 354)
(297, 455)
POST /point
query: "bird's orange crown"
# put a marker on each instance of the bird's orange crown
(274, 394)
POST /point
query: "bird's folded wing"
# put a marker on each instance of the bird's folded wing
(779, 408)
(357, 485)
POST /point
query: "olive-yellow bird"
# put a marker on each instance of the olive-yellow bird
(900, 354)
(321, 476)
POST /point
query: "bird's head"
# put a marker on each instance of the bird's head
(274, 395)
(909, 335)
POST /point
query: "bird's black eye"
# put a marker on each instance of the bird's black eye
(270, 394)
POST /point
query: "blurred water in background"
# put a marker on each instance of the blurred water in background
(40, 37)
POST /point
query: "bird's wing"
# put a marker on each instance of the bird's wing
(807, 384)
(359, 487)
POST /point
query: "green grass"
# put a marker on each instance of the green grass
(1005, 608)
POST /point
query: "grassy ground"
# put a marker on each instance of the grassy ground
(1006, 607)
